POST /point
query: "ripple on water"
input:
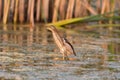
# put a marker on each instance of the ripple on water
(34, 56)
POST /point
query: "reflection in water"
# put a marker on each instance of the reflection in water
(21, 37)
(28, 54)
(18, 38)
(30, 39)
(4, 37)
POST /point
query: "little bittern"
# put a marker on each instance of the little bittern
(65, 47)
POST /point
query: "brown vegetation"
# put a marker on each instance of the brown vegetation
(53, 10)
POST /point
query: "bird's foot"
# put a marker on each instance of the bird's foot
(65, 58)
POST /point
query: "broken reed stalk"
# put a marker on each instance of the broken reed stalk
(69, 13)
(86, 4)
(45, 10)
(55, 11)
(6, 10)
(62, 9)
(16, 11)
(0, 9)
(21, 11)
(83, 10)
(38, 6)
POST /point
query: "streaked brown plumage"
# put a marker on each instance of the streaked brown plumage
(65, 47)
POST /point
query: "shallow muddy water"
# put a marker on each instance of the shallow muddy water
(31, 54)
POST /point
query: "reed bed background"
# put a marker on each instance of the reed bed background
(30, 11)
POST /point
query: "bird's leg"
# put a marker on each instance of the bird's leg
(67, 58)
(63, 56)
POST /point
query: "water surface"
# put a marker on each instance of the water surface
(31, 54)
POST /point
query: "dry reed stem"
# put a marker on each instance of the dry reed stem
(0, 9)
(12, 6)
(45, 9)
(55, 12)
(62, 9)
(77, 8)
(108, 6)
(38, 6)
(98, 6)
(69, 13)
(83, 11)
(112, 8)
(32, 13)
(12, 9)
(21, 11)
(88, 6)
(28, 10)
(103, 9)
(103, 6)
(16, 11)
(118, 4)
(6, 10)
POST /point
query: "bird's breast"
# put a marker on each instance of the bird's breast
(62, 50)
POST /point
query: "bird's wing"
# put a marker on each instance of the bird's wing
(68, 46)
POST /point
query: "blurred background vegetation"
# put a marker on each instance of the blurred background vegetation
(68, 11)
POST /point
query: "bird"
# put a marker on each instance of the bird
(63, 44)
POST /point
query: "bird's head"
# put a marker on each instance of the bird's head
(51, 28)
